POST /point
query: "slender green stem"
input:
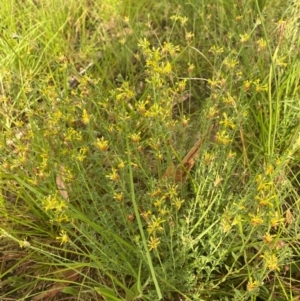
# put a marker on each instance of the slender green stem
(138, 218)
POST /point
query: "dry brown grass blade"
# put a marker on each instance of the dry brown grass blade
(185, 166)
(181, 172)
(68, 276)
(289, 217)
(61, 186)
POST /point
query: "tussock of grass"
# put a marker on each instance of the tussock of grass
(149, 150)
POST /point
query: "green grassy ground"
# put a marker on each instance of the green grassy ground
(149, 150)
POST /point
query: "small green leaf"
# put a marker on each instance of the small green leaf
(107, 293)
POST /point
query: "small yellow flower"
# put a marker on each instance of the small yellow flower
(101, 144)
(166, 68)
(50, 202)
(144, 44)
(231, 155)
(155, 193)
(237, 219)
(252, 285)
(59, 218)
(280, 61)
(114, 176)
(23, 158)
(226, 225)
(264, 186)
(260, 87)
(271, 261)
(170, 48)
(141, 106)
(124, 92)
(244, 38)
(60, 205)
(216, 50)
(82, 154)
(122, 41)
(268, 238)
(136, 137)
(276, 220)
(228, 100)
(159, 155)
(24, 243)
(227, 122)
(172, 191)
(185, 121)
(175, 17)
(155, 225)
(191, 68)
(259, 178)
(145, 215)
(135, 166)
(212, 83)
(230, 63)
(213, 111)
(19, 123)
(269, 170)
(85, 117)
(183, 21)
(153, 243)
(119, 196)
(163, 211)
(177, 203)
(126, 19)
(223, 138)
(188, 36)
(239, 75)
(121, 164)
(256, 220)
(159, 202)
(208, 158)
(264, 201)
(180, 85)
(262, 44)
(63, 237)
(156, 111)
(247, 85)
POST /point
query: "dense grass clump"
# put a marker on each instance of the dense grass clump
(149, 150)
